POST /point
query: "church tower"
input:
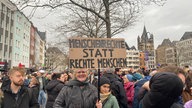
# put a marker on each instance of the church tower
(146, 42)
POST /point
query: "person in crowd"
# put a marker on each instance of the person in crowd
(16, 95)
(165, 87)
(172, 69)
(118, 72)
(91, 75)
(66, 77)
(117, 88)
(129, 89)
(188, 104)
(53, 88)
(77, 93)
(107, 99)
(187, 92)
(138, 86)
(136, 76)
(42, 93)
(34, 85)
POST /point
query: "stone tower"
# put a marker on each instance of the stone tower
(146, 42)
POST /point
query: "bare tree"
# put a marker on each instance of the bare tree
(95, 17)
(56, 59)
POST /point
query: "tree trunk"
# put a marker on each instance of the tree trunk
(107, 18)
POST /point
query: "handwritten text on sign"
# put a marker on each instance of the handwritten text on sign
(97, 53)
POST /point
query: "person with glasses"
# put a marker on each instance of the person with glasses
(77, 93)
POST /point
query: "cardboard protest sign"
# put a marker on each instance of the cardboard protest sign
(97, 53)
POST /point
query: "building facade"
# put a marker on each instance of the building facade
(6, 30)
(184, 50)
(32, 47)
(160, 51)
(171, 56)
(133, 58)
(21, 40)
(146, 45)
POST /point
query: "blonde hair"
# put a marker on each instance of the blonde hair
(17, 69)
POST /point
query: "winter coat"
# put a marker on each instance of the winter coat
(73, 95)
(53, 88)
(117, 89)
(137, 87)
(35, 90)
(25, 99)
(111, 102)
(165, 88)
(129, 89)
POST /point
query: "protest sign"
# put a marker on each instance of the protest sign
(97, 53)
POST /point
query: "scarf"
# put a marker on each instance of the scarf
(76, 82)
(103, 97)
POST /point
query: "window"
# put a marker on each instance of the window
(1, 38)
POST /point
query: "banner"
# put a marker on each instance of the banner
(97, 53)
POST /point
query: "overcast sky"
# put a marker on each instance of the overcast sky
(169, 21)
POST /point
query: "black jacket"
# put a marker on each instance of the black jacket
(117, 89)
(53, 88)
(25, 100)
(72, 96)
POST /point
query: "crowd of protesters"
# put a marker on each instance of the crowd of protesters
(165, 87)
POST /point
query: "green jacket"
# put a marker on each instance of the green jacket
(111, 102)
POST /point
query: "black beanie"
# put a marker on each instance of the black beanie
(104, 80)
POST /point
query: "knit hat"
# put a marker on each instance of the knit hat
(129, 77)
(136, 76)
(164, 85)
(104, 80)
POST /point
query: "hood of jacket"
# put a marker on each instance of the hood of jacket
(167, 87)
(52, 84)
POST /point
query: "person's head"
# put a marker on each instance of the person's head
(104, 85)
(17, 76)
(117, 71)
(40, 73)
(34, 81)
(166, 86)
(174, 69)
(80, 75)
(66, 76)
(127, 78)
(137, 76)
(58, 76)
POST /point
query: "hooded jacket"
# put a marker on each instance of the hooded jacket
(73, 96)
(165, 88)
(53, 88)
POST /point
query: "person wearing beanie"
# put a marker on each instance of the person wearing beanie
(107, 99)
(129, 89)
(165, 88)
(137, 76)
